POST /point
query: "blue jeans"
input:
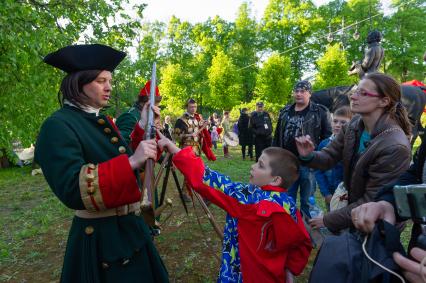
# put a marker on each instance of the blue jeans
(305, 184)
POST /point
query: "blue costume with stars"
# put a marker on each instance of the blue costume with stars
(263, 235)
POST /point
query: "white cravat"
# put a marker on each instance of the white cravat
(85, 108)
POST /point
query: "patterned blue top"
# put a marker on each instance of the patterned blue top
(245, 194)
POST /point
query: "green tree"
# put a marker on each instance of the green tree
(180, 47)
(244, 50)
(224, 82)
(174, 89)
(286, 27)
(28, 31)
(333, 68)
(405, 40)
(273, 83)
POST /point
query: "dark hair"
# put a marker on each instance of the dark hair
(389, 87)
(344, 111)
(374, 36)
(72, 86)
(190, 101)
(284, 164)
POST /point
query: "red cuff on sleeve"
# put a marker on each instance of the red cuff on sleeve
(117, 182)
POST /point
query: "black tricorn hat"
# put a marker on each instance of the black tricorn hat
(75, 58)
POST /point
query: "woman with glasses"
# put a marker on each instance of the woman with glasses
(373, 147)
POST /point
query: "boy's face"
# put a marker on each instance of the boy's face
(338, 122)
(260, 173)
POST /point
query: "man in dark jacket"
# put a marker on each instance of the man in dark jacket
(245, 135)
(303, 117)
(261, 125)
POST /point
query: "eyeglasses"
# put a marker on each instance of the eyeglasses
(341, 122)
(364, 93)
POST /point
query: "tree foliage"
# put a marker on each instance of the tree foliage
(274, 82)
(405, 40)
(332, 68)
(225, 83)
(221, 64)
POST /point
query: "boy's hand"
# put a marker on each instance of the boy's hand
(165, 143)
(305, 146)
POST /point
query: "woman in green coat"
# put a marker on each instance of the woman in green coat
(93, 171)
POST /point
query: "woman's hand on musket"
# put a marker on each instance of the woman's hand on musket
(305, 146)
(146, 149)
(165, 143)
(144, 116)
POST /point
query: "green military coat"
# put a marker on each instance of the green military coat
(126, 121)
(85, 162)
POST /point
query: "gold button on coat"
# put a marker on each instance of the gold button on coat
(105, 265)
(107, 131)
(89, 230)
(114, 140)
(101, 121)
(122, 149)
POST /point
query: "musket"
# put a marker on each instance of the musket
(148, 206)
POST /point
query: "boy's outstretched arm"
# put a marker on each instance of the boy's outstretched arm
(208, 183)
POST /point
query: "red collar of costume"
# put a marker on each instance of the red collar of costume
(197, 116)
(273, 188)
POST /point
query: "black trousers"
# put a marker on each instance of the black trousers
(260, 143)
(249, 150)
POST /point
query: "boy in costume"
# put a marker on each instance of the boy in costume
(264, 236)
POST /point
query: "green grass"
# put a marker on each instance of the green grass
(35, 228)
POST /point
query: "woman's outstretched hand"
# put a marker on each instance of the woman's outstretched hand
(305, 146)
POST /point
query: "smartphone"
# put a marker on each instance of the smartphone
(411, 201)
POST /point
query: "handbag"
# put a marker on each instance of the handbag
(339, 198)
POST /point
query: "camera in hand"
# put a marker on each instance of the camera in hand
(411, 203)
